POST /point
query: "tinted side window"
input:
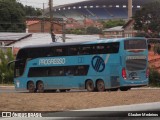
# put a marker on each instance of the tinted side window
(107, 48)
(38, 72)
(114, 47)
(80, 70)
(60, 51)
(86, 50)
(73, 50)
(39, 52)
(70, 71)
(100, 49)
(56, 71)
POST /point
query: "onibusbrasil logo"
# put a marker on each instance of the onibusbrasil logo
(98, 64)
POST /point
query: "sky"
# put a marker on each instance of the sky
(39, 3)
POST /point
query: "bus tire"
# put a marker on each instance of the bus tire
(31, 87)
(124, 88)
(100, 86)
(90, 86)
(40, 87)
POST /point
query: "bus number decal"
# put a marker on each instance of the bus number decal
(52, 61)
(98, 64)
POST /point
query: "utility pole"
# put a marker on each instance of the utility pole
(63, 31)
(129, 9)
(42, 21)
(85, 24)
(51, 21)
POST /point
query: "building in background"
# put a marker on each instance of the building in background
(38, 26)
(115, 32)
(74, 24)
(120, 31)
(99, 9)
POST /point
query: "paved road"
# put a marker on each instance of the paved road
(10, 89)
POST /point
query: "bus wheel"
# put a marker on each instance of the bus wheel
(40, 87)
(90, 86)
(31, 87)
(124, 88)
(100, 86)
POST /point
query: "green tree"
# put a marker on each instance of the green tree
(31, 11)
(148, 19)
(6, 74)
(12, 16)
(154, 77)
(93, 30)
(113, 23)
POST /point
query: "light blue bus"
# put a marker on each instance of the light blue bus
(104, 64)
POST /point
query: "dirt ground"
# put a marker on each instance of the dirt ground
(74, 100)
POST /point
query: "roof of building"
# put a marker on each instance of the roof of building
(9, 38)
(117, 28)
(45, 38)
(31, 22)
(12, 36)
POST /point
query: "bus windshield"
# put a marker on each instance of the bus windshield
(135, 44)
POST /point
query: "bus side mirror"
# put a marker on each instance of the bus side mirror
(9, 64)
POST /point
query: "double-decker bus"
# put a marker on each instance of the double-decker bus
(99, 65)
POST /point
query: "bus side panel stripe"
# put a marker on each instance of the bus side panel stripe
(107, 58)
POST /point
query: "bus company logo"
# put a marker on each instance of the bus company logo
(98, 63)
